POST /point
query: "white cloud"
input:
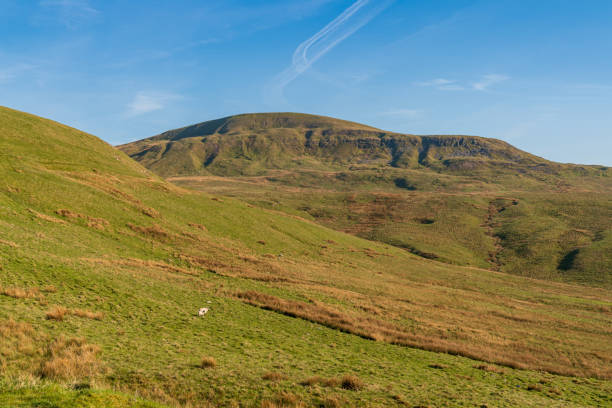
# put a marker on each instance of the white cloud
(145, 102)
(488, 80)
(436, 82)
(443, 84)
(339, 29)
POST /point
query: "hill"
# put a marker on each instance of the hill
(251, 144)
(462, 200)
(104, 267)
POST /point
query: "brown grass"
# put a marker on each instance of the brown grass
(150, 212)
(490, 368)
(16, 330)
(351, 382)
(46, 217)
(208, 362)
(58, 313)
(71, 359)
(49, 289)
(198, 226)
(16, 340)
(11, 328)
(21, 293)
(317, 380)
(374, 328)
(92, 222)
(534, 387)
(87, 314)
(273, 376)
(8, 243)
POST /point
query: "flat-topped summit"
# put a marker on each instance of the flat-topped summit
(259, 121)
(254, 143)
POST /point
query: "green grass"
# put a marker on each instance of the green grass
(149, 284)
(380, 186)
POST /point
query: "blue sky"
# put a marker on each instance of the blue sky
(534, 73)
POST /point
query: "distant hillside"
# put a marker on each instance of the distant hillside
(255, 143)
(462, 200)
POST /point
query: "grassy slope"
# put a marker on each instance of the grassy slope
(535, 237)
(385, 187)
(147, 255)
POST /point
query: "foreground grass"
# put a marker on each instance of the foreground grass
(129, 259)
(53, 395)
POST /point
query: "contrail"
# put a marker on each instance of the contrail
(338, 30)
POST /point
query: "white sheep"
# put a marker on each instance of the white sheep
(203, 311)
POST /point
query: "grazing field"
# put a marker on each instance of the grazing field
(104, 266)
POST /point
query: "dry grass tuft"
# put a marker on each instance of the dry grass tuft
(49, 289)
(198, 226)
(96, 223)
(71, 359)
(534, 387)
(58, 313)
(8, 243)
(150, 212)
(21, 293)
(490, 368)
(68, 214)
(11, 328)
(317, 380)
(46, 217)
(273, 376)
(87, 314)
(92, 222)
(16, 339)
(208, 362)
(352, 383)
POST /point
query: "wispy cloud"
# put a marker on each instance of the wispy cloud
(71, 13)
(339, 29)
(145, 102)
(443, 84)
(488, 80)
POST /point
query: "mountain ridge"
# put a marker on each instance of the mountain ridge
(236, 143)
